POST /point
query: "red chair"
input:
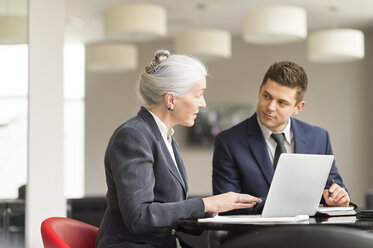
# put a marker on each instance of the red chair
(59, 232)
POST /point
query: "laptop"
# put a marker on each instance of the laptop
(294, 194)
(297, 185)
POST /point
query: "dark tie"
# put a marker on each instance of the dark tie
(280, 148)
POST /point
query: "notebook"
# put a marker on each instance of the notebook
(297, 185)
(335, 211)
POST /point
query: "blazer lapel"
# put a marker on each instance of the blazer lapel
(259, 148)
(144, 113)
(299, 141)
(180, 165)
(171, 164)
(148, 118)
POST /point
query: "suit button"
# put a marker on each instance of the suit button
(173, 232)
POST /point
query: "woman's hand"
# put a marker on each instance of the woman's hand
(338, 196)
(228, 201)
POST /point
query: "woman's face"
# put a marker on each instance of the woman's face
(188, 106)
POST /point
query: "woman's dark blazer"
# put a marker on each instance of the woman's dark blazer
(146, 195)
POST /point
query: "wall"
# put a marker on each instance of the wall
(365, 110)
(337, 100)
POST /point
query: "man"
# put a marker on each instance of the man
(245, 155)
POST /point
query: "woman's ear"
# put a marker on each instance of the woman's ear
(169, 99)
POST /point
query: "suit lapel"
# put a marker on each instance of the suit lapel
(144, 113)
(259, 148)
(258, 145)
(148, 118)
(171, 163)
(299, 141)
(180, 165)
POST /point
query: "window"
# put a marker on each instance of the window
(13, 119)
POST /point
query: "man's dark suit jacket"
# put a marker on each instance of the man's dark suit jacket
(146, 195)
(241, 162)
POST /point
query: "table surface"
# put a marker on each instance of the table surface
(348, 221)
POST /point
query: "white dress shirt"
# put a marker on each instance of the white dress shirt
(271, 143)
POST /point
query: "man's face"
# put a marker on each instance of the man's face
(276, 104)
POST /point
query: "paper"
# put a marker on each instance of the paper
(249, 219)
(336, 211)
(343, 219)
(332, 209)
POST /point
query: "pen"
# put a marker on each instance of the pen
(330, 194)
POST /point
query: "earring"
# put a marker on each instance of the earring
(171, 108)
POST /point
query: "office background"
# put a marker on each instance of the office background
(338, 99)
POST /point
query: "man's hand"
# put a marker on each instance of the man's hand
(338, 196)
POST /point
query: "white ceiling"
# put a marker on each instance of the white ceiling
(84, 17)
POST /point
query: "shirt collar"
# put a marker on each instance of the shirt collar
(267, 133)
(162, 127)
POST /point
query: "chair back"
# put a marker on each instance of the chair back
(60, 232)
(305, 236)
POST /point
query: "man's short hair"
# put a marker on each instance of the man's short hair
(288, 74)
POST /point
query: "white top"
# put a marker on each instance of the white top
(167, 139)
(271, 143)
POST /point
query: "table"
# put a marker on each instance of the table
(348, 221)
(219, 232)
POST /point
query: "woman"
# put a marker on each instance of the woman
(146, 179)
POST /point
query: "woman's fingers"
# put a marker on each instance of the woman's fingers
(247, 198)
(229, 201)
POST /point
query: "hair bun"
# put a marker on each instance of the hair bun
(159, 57)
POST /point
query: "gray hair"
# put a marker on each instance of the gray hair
(168, 73)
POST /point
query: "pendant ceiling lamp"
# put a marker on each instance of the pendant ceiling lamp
(336, 45)
(135, 22)
(13, 29)
(206, 44)
(275, 25)
(111, 57)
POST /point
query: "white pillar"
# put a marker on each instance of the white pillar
(45, 185)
